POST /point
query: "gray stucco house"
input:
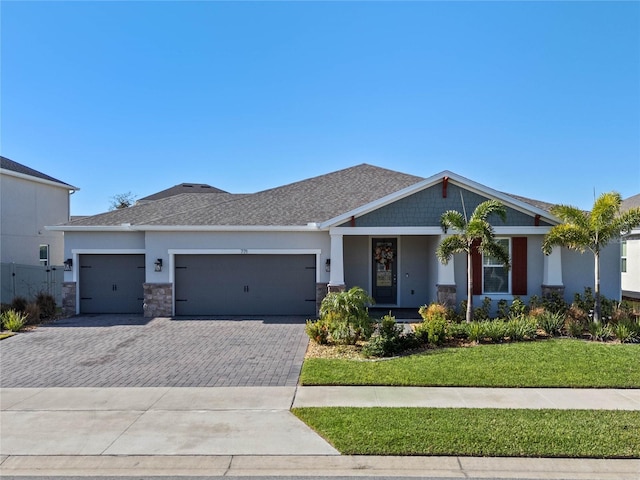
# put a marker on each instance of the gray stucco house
(280, 250)
(29, 201)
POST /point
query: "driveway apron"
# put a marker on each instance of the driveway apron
(132, 351)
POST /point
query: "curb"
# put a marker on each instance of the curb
(316, 465)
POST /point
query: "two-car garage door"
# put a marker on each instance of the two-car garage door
(245, 284)
(204, 284)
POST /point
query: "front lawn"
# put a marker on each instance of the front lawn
(477, 432)
(548, 363)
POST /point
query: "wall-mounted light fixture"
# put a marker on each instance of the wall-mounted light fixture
(158, 264)
(327, 265)
(68, 264)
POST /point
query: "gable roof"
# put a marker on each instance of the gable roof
(631, 202)
(182, 188)
(319, 201)
(518, 203)
(21, 170)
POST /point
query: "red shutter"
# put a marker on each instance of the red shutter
(476, 265)
(519, 265)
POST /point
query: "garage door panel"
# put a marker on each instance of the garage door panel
(111, 283)
(245, 284)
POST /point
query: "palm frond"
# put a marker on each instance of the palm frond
(567, 235)
(629, 220)
(496, 250)
(452, 219)
(571, 214)
(487, 208)
(450, 246)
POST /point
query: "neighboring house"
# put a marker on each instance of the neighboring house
(181, 188)
(280, 250)
(29, 201)
(630, 252)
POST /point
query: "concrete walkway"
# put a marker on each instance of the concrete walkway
(250, 431)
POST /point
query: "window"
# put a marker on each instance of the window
(495, 278)
(623, 257)
(44, 255)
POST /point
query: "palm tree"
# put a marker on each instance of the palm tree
(476, 234)
(581, 231)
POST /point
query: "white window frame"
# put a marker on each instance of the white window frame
(44, 261)
(623, 256)
(497, 265)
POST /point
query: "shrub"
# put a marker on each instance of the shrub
(494, 330)
(475, 331)
(47, 305)
(32, 313)
(19, 304)
(483, 312)
(573, 327)
(521, 328)
(503, 308)
(317, 331)
(551, 323)
(347, 315)
(458, 330)
(600, 331)
(389, 339)
(625, 332)
(433, 331)
(578, 315)
(517, 308)
(12, 320)
(435, 311)
(554, 302)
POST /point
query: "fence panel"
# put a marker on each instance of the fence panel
(29, 280)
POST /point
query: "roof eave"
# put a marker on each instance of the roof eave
(31, 178)
(310, 227)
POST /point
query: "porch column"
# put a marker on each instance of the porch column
(446, 286)
(336, 277)
(552, 273)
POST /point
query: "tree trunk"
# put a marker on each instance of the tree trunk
(469, 314)
(596, 307)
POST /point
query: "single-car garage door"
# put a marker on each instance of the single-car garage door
(245, 284)
(111, 283)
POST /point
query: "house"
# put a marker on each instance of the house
(281, 250)
(630, 252)
(29, 201)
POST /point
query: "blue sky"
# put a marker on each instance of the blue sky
(540, 99)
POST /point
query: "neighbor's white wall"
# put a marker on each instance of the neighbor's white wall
(630, 280)
(158, 245)
(26, 207)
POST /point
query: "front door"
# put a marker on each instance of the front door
(385, 270)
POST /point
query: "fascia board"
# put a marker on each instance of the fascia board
(391, 231)
(434, 180)
(90, 228)
(31, 178)
(184, 228)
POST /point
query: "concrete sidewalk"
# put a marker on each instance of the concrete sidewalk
(250, 431)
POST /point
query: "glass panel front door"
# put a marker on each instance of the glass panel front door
(385, 272)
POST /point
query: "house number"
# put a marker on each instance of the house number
(244, 250)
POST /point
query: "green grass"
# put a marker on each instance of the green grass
(549, 363)
(6, 335)
(477, 432)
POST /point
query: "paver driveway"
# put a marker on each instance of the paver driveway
(131, 351)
